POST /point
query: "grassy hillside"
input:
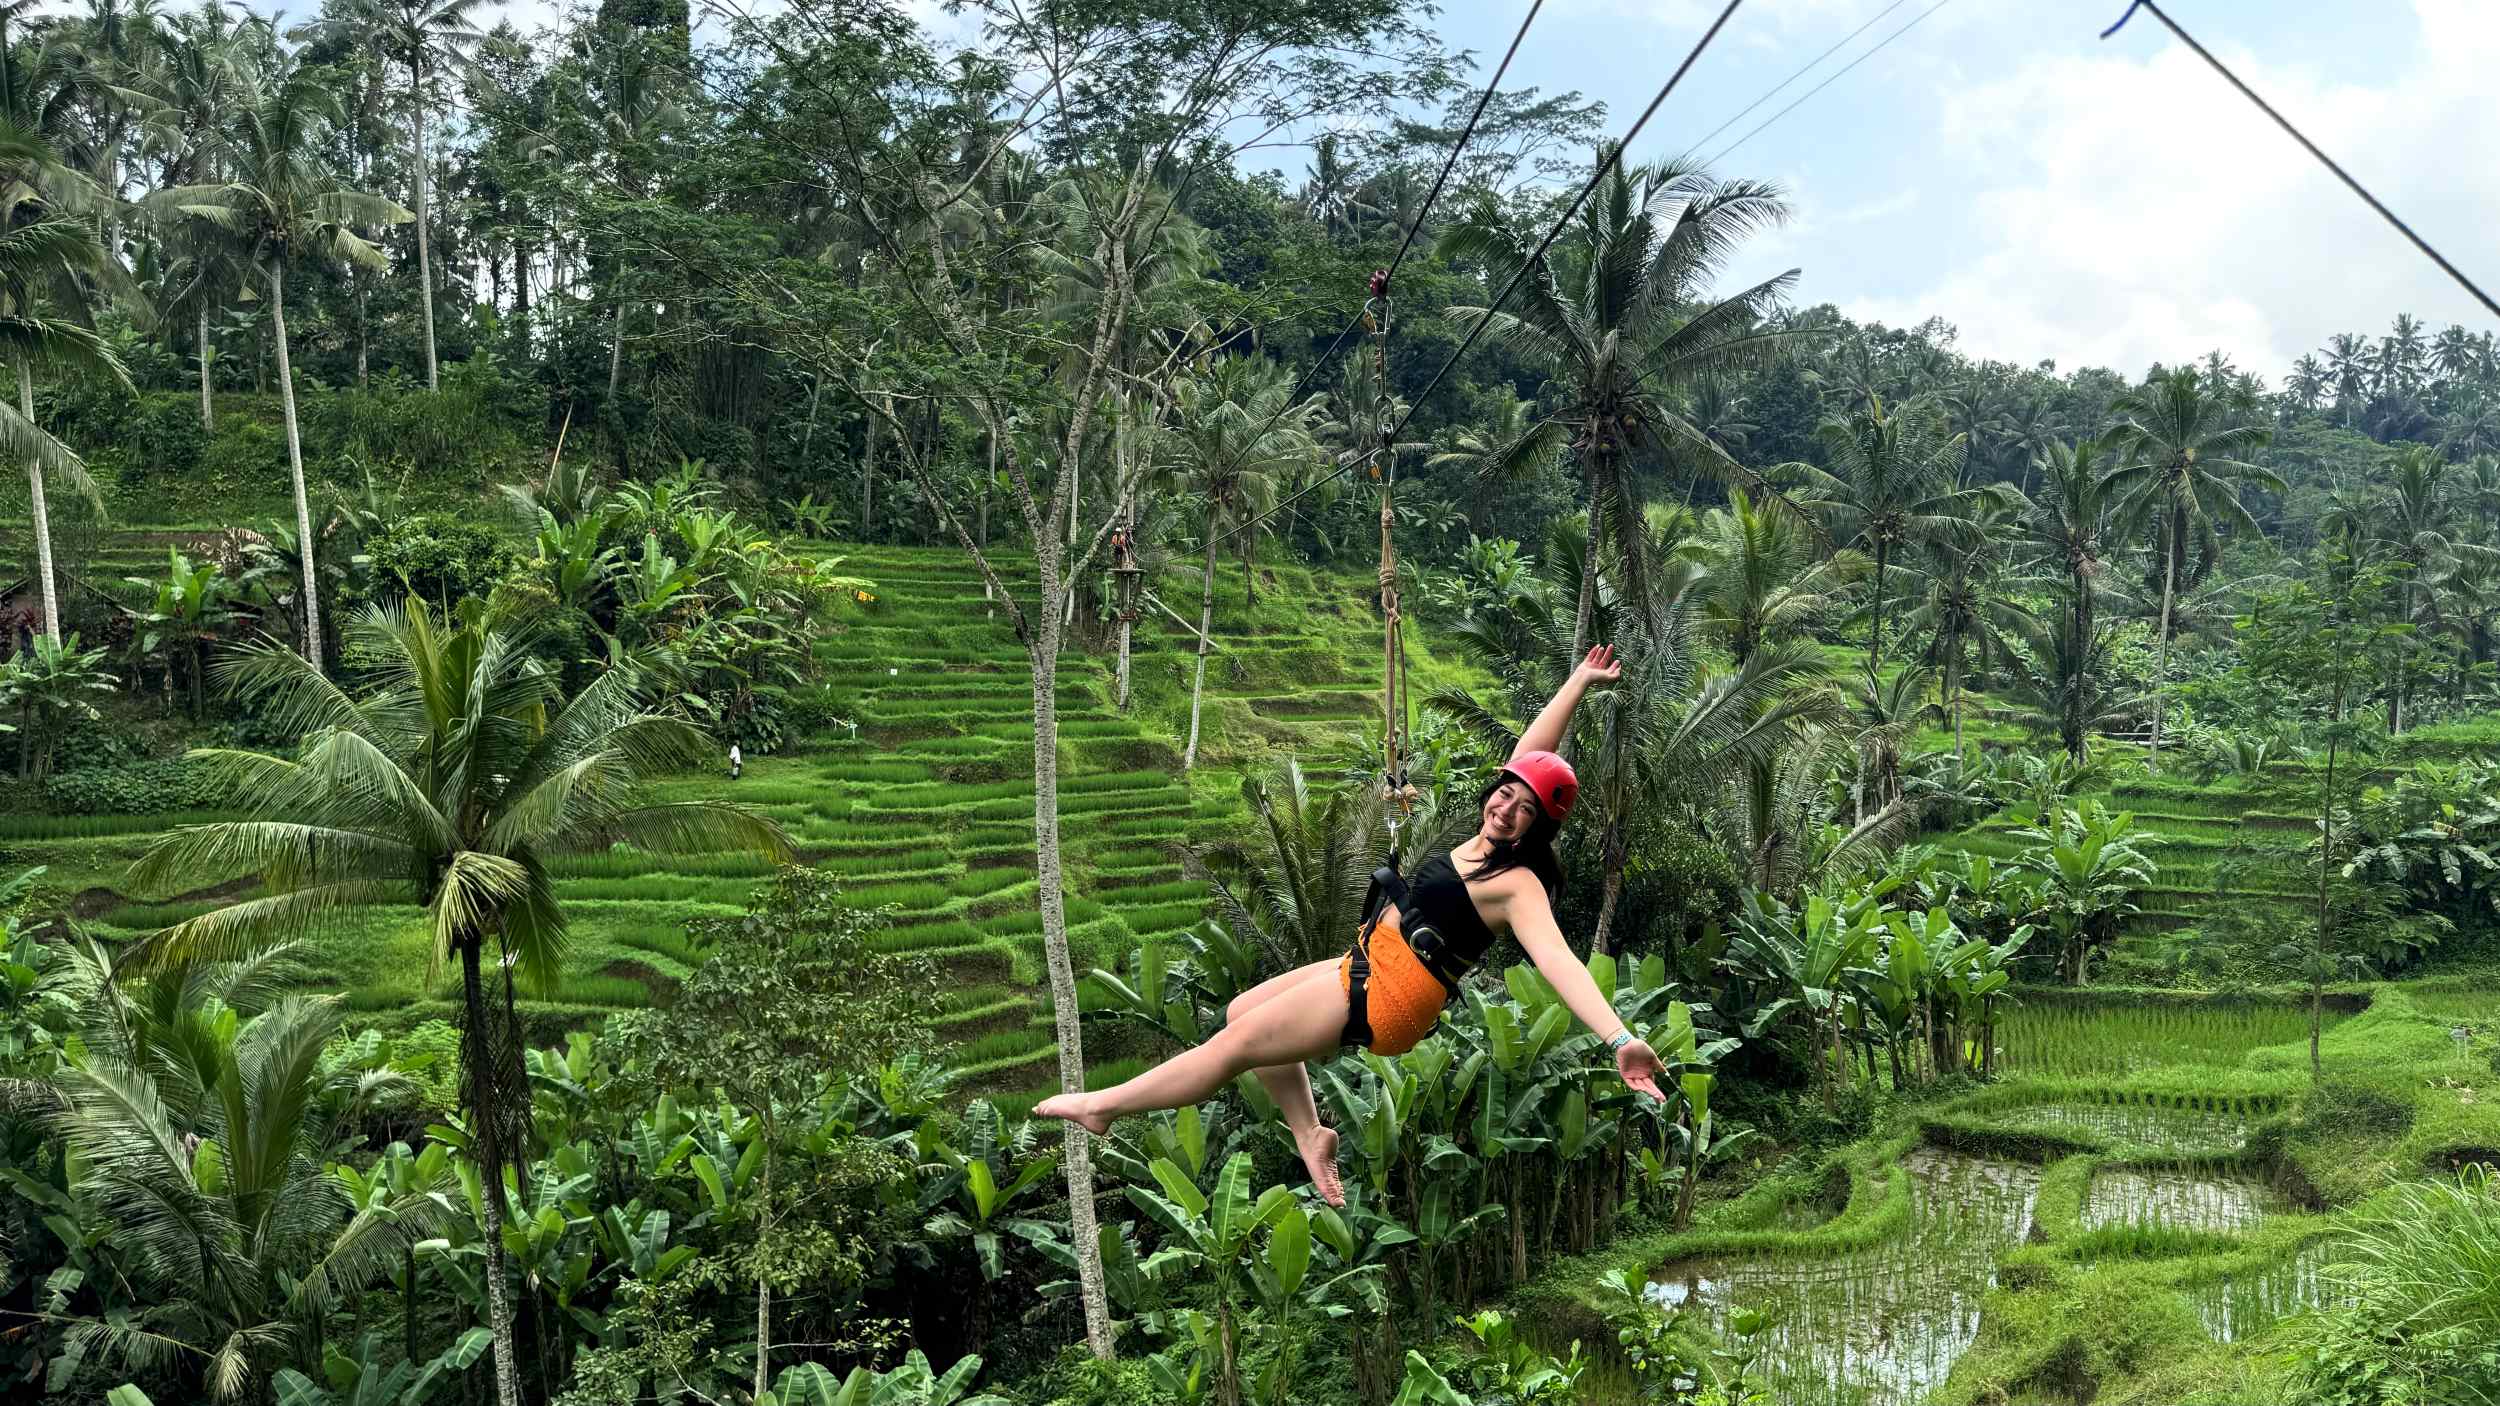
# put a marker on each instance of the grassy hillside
(925, 809)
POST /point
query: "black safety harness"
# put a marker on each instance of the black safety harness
(1424, 940)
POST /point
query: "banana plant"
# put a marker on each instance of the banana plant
(915, 1383)
(1213, 1236)
(1155, 991)
(359, 1381)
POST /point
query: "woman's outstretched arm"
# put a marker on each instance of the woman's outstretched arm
(1547, 732)
(1532, 922)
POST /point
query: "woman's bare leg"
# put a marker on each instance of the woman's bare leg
(1273, 1033)
(1290, 1084)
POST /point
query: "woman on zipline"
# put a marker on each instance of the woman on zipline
(1385, 994)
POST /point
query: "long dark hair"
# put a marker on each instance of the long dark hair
(1533, 851)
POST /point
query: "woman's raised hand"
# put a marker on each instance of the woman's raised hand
(1600, 667)
(1640, 1067)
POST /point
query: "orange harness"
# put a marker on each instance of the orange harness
(1396, 977)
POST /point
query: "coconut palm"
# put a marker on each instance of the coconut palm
(427, 36)
(2307, 383)
(282, 203)
(195, 83)
(1236, 438)
(2068, 527)
(2180, 477)
(206, 1143)
(1765, 581)
(1972, 605)
(2348, 369)
(1894, 486)
(1617, 315)
(449, 784)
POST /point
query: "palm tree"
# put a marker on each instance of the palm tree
(1487, 453)
(1972, 602)
(426, 35)
(1235, 438)
(2068, 528)
(1884, 714)
(2452, 353)
(196, 82)
(450, 784)
(1616, 314)
(2069, 683)
(2348, 367)
(2307, 384)
(207, 1145)
(282, 203)
(38, 250)
(1765, 582)
(1895, 486)
(2181, 477)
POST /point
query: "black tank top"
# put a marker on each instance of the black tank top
(1439, 898)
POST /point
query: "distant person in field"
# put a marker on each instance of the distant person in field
(1385, 994)
(737, 761)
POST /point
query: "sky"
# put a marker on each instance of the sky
(2060, 197)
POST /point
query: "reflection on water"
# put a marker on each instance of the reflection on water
(2241, 1305)
(2179, 1200)
(1878, 1326)
(2135, 1124)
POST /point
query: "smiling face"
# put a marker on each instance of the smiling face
(1509, 811)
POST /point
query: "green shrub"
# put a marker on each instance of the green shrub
(132, 788)
(439, 557)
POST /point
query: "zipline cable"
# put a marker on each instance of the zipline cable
(1534, 260)
(1828, 81)
(2312, 147)
(1423, 213)
(1704, 139)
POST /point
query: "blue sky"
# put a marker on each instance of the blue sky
(2057, 196)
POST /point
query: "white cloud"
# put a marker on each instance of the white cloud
(2127, 209)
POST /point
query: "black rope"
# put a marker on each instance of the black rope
(2312, 147)
(1534, 260)
(1461, 144)
(1834, 77)
(1423, 213)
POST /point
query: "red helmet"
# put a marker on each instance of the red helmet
(1549, 777)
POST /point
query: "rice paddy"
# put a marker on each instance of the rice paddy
(1884, 1325)
(924, 810)
(2051, 1037)
(2171, 1198)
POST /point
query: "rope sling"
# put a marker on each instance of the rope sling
(1398, 793)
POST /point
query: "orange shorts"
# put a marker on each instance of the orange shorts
(1401, 999)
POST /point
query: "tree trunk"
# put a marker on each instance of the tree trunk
(41, 509)
(2326, 863)
(868, 481)
(616, 344)
(425, 258)
(1953, 666)
(498, 1292)
(763, 1287)
(1083, 1234)
(208, 409)
(1206, 623)
(1613, 850)
(2161, 671)
(1875, 635)
(1582, 615)
(295, 467)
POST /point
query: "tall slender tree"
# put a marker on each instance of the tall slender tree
(280, 204)
(429, 37)
(2180, 478)
(1619, 314)
(1895, 485)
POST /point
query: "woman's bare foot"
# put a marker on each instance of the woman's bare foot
(1319, 1158)
(1079, 1109)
